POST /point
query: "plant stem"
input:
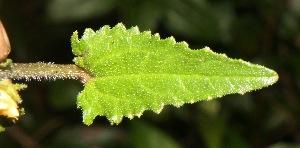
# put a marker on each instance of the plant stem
(47, 71)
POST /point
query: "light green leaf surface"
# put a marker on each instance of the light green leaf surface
(133, 72)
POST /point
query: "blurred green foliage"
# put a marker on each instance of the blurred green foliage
(265, 32)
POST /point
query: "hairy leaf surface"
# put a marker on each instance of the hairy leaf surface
(135, 71)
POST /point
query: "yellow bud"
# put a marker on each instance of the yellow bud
(8, 106)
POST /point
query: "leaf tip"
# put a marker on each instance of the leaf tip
(177, 101)
(120, 25)
(134, 30)
(88, 32)
(159, 109)
(75, 43)
(130, 116)
(171, 39)
(140, 112)
(116, 119)
(209, 98)
(207, 48)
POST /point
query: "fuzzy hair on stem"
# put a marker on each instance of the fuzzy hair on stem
(47, 71)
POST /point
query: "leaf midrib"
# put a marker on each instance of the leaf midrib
(184, 75)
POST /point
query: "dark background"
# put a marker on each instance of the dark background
(265, 32)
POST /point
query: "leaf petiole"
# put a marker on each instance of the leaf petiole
(47, 71)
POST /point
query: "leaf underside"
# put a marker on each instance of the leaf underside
(135, 71)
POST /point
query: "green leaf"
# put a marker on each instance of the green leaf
(133, 72)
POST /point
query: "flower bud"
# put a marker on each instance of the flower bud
(4, 43)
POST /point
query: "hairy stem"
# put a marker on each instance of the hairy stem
(47, 71)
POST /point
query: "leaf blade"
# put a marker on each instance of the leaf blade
(133, 72)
